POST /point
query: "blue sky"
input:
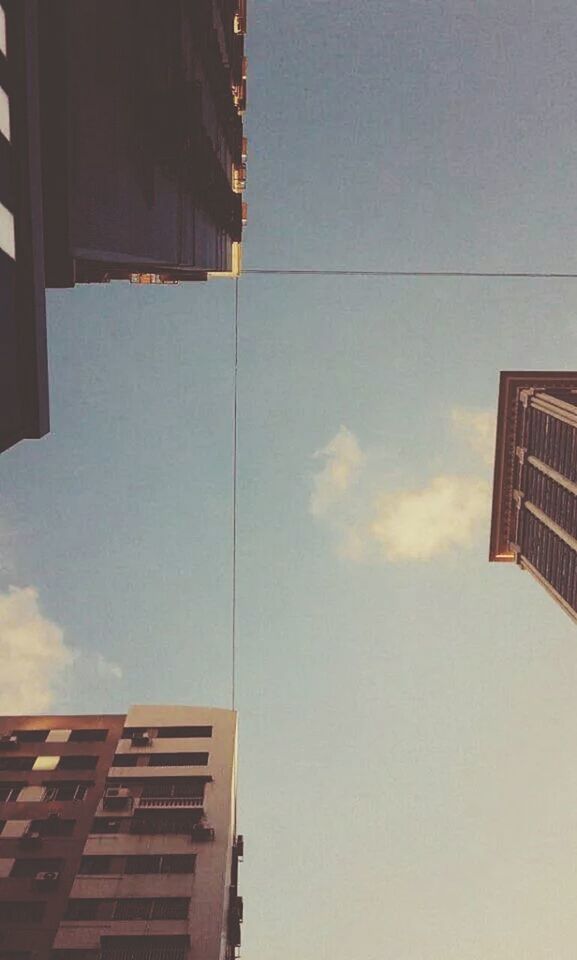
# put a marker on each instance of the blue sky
(408, 772)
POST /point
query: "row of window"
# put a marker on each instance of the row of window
(49, 827)
(65, 790)
(71, 762)
(94, 735)
(168, 733)
(118, 948)
(132, 908)
(160, 760)
(102, 865)
(156, 822)
(60, 736)
(144, 863)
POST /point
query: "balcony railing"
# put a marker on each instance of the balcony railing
(165, 803)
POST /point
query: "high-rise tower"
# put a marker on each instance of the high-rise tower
(118, 836)
(534, 520)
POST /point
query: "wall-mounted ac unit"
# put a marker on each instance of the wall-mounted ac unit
(116, 798)
(8, 741)
(46, 877)
(240, 846)
(141, 739)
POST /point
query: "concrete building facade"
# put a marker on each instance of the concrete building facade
(118, 836)
(534, 519)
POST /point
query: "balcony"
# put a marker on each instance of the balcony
(169, 803)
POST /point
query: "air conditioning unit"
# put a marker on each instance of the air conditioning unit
(141, 739)
(8, 741)
(116, 798)
(240, 846)
(46, 877)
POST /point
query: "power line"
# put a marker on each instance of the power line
(234, 497)
(501, 275)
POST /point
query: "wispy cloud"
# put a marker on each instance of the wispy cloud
(477, 429)
(33, 654)
(342, 459)
(370, 518)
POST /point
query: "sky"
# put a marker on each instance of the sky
(408, 776)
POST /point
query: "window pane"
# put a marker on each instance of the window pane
(14, 828)
(95, 865)
(184, 732)
(143, 864)
(78, 763)
(133, 909)
(88, 736)
(58, 736)
(173, 908)
(178, 863)
(178, 759)
(32, 736)
(46, 763)
(105, 825)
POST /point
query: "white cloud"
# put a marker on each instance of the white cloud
(343, 459)
(369, 518)
(477, 428)
(33, 654)
(420, 524)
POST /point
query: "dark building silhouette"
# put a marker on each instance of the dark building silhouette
(117, 836)
(142, 138)
(122, 156)
(534, 520)
(23, 359)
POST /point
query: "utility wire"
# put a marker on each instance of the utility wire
(521, 275)
(234, 496)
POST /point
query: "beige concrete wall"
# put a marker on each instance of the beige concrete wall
(208, 886)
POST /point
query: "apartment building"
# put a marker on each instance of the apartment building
(23, 353)
(534, 520)
(118, 836)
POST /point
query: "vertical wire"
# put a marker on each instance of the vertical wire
(234, 498)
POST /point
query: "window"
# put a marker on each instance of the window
(183, 787)
(88, 736)
(6, 866)
(32, 736)
(125, 760)
(178, 759)
(105, 825)
(14, 828)
(21, 911)
(96, 865)
(177, 733)
(144, 948)
(169, 863)
(65, 791)
(174, 821)
(78, 763)
(29, 868)
(10, 791)
(53, 826)
(58, 736)
(83, 909)
(169, 908)
(31, 794)
(16, 763)
(46, 763)
(129, 732)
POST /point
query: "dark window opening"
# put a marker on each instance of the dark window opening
(31, 736)
(183, 787)
(53, 826)
(66, 790)
(17, 763)
(77, 763)
(178, 759)
(105, 825)
(183, 732)
(95, 865)
(125, 760)
(29, 868)
(175, 821)
(144, 948)
(10, 791)
(21, 911)
(88, 736)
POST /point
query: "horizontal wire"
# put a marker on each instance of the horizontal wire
(503, 275)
